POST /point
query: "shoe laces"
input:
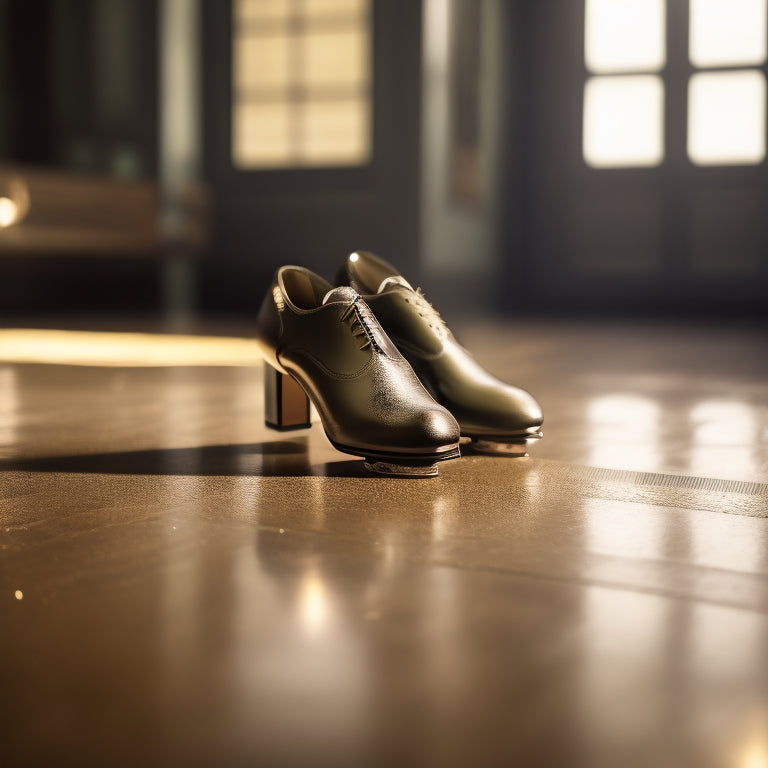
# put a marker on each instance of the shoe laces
(362, 320)
(428, 312)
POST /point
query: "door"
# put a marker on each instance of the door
(311, 137)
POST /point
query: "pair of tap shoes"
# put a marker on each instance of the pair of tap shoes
(386, 375)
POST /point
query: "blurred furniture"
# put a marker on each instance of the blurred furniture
(62, 212)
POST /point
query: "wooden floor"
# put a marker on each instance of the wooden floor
(181, 587)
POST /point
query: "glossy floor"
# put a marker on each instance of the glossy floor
(179, 586)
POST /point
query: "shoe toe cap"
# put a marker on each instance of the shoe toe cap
(526, 409)
(438, 427)
(503, 410)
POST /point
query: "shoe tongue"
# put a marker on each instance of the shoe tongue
(394, 281)
(342, 293)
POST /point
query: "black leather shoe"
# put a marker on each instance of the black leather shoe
(324, 343)
(497, 417)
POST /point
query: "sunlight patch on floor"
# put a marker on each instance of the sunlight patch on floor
(23, 345)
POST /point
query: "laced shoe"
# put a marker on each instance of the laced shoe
(324, 344)
(496, 417)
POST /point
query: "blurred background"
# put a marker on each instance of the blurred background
(514, 156)
(587, 180)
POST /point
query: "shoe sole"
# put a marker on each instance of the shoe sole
(394, 464)
(504, 445)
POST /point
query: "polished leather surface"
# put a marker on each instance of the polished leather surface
(484, 406)
(369, 399)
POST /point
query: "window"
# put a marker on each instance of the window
(726, 108)
(301, 74)
(625, 56)
(624, 113)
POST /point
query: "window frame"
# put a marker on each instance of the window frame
(296, 95)
(283, 181)
(675, 75)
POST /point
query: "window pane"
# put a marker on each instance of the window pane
(301, 83)
(324, 8)
(726, 118)
(262, 10)
(261, 135)
(335, 133)
(624, 121)
(338, 59)
(726, 32)
(262, 62)
(625, 35)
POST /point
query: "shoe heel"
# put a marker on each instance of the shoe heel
(286, 406)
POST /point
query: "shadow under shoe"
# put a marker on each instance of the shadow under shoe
(497, 417)
(324, 344)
